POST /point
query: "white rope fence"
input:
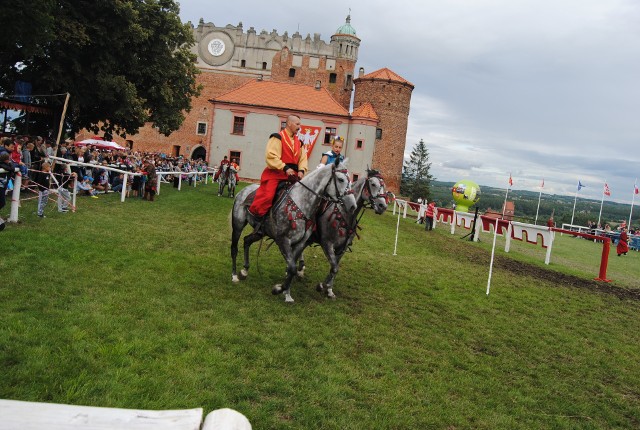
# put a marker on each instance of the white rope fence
(17, 181)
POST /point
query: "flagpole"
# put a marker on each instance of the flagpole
(601, 203)
(538, 209)
(633, 198)
(495, 235)
(574, 207)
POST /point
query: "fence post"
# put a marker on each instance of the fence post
(75, 193)
(15, 197)
(124, 187)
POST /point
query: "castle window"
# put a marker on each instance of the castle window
(348, 83)
(378, 133)
(235, 155)
(264, 65)
(328, 135)
(201, 129)
(355, 177)
(283, 125)
(292, 72)
(359, 144)
(238, 125)
(332, 78)
(243, 63)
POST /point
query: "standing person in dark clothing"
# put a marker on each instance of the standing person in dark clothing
(43, 179)
(8, 173)
(150, 185)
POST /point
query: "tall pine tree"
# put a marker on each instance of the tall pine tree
(416, 179)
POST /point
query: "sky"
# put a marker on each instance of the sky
(535, 89)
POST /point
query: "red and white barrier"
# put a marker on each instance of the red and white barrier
(532, 234)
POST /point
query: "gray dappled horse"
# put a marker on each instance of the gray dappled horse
(336, 228)
(291, 220)
(227, 178)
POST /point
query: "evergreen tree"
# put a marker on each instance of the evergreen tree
(124, 62)
(416, 179)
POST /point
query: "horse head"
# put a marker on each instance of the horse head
(339, 187)
(374, 191)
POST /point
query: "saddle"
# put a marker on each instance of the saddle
(281, 191)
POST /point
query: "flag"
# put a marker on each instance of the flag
(635, 187)
(580, 186)
(510, 180)
(542, 185)
(607, 191)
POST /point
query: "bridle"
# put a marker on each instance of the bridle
(370, 197)
(334, 180)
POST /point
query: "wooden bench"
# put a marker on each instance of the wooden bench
(19, 415)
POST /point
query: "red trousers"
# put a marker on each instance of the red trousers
(266, 191)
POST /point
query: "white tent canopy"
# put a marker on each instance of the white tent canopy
(102, 144)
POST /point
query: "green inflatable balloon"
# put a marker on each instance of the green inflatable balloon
(465, 194)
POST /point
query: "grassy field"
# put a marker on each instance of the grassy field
(131, 305)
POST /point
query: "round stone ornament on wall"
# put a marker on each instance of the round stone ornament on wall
(216, 48)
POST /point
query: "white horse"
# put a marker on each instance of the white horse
(291, 220)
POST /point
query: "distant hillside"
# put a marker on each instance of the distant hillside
(526, 203)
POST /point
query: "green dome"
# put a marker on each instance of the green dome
(346, 28)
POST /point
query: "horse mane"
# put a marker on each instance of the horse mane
(372, 173)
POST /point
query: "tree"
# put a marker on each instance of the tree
(124, 62)
(416, 179)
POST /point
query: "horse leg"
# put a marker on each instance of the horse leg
(248, 241)
(329, 251)
(291, 255)
(285, 287)
(235, 237)
(301, 266)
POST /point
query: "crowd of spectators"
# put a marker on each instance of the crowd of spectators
(30, 154)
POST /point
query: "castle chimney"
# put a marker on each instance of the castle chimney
(361, 72)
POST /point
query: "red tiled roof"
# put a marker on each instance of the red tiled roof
(365, 110)
(387, 75)
(283, 95)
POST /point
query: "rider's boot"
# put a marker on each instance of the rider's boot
(259, 220)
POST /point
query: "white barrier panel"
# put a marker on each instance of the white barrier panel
(400, 205)
(465, 220)
(531, 233)
(20, 415)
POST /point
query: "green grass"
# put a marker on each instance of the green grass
(131, 305)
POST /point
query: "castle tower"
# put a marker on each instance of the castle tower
(390, 95)
(345, 45)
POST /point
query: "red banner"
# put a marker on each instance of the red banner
(308, 136)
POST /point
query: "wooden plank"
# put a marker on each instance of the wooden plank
(19, 415)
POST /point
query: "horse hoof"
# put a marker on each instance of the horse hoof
(277, 289)
(330, 294)
(235, 279)
(288, 298)
(244, 274)
(300, 273)
(319, 287)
